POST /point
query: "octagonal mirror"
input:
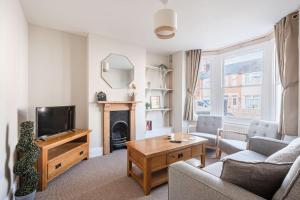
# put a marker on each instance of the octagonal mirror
(117, 71)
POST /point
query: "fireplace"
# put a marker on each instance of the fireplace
(118, 125)
(119, 129)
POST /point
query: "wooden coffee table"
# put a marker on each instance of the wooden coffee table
(152, 157)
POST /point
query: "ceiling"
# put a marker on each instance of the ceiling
(205, 24)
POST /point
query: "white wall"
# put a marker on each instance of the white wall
(58, 71)
(155, 78)
(179, 82)
(98, 48)
(13, 87)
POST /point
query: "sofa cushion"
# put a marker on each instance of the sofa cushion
(287, 154)
(232, 146)
(261, 178)
(290, 187)
(214, 169)
(212, 139)
(246, 155)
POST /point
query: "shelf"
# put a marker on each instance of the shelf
(159, 177)
(149, 67)
(158, 109)
(62, 149)
(160, 89)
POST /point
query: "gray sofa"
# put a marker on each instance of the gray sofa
(191, 183)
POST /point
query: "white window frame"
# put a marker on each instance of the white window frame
(268, 92)
(208, 60)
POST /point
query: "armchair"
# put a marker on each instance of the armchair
(256, 128)
(208, 127)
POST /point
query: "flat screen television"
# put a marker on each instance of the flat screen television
(53, 120)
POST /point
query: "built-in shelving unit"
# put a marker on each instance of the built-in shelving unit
(159, 83)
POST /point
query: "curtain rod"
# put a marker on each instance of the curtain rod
(254, 41)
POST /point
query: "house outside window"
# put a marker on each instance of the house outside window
(239, 85)
(202, 103)
(245, 74)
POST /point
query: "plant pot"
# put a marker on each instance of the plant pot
(30, 196)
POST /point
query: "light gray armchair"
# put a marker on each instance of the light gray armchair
(208, 127)
(256, 128)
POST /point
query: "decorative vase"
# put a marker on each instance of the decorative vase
(132, 97)
(101, 96)
(30, 196)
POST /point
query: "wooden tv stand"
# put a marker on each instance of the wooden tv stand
(60, 152)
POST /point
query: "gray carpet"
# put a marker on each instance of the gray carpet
(102, 178)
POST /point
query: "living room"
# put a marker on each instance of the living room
(160, 99)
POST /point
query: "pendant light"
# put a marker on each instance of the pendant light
(165, 22)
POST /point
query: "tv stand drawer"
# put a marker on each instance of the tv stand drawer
(66, 160)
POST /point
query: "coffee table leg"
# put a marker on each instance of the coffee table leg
(203, 155)
(129, 163)
(147, 177)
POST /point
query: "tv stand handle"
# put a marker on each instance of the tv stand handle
(58, 166)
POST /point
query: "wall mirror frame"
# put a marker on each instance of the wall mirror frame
(117, 71)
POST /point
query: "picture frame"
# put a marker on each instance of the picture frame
(155, 102)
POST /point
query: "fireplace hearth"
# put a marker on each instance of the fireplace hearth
(119, 129)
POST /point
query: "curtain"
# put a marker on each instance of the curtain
(286, 38)
(192, 72)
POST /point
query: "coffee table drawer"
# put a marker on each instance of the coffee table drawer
(197, 150)
(158, 162)
(179, 155)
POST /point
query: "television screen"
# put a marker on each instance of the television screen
(52, 120)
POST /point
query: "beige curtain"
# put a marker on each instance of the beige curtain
(286, 36)
(192, 71)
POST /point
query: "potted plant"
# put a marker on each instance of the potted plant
(163, 66)
(28, 153)
(147, 105)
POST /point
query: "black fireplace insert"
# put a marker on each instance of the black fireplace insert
(119, 129)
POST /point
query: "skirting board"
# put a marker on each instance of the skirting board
(13, 190)
(96, 151)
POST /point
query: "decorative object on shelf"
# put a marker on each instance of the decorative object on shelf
(165, 21)
(147, 105)
(132, 92)
(24, 167)
(117, 71)
(163, 66)
(148, 125)
(101, 96)
(155, 102)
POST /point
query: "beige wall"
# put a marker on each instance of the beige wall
(99, 48)
(57, 71)
(13, 87)
(179, 94)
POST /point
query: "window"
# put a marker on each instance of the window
(240, 84)
(252, 102)
(234, 100)
(243, 75)
(202, 104)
